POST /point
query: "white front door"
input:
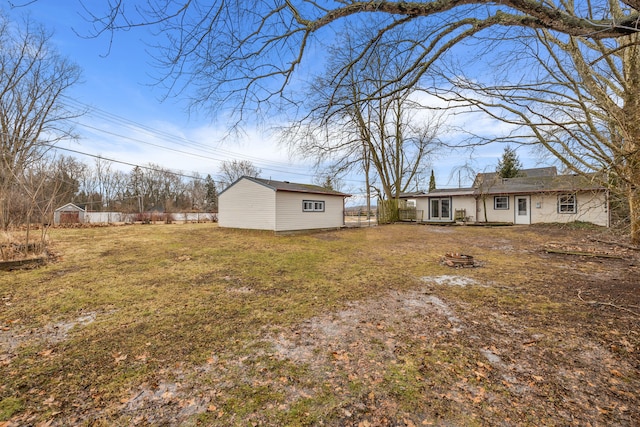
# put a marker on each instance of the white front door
(522, 210)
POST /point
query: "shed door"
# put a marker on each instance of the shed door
(69, 217)
(522, 210)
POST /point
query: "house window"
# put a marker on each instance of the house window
(312, 206)
(501, 202)
(567, 203)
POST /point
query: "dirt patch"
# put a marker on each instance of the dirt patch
(450, 280)
(12, 335)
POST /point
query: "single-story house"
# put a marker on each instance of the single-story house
(69, 214)
(281, 206)
(538, 195)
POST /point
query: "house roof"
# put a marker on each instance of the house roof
(538, 184)
(537, 180)
(412, 194)
(451, 192)
(440, 192)
(523, 173)
(291, 187)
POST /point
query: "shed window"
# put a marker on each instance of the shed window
(567, 203)
(501, 202)
(313, 206)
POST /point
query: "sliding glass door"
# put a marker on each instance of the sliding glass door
(440, 209)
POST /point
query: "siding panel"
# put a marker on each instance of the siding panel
(591, 207)
(493, 215)
(247, 205)
(291, 217)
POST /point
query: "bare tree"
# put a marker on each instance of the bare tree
(105, 183)
(244, 53)
(68, 173)
(33, 79)
(121, 198)
(232, 170)
(368, 119)
(582, 105)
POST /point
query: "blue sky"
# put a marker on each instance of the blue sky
(125, 119)
(127, 122)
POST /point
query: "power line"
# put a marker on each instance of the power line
(179, 140)
(278, 167)
(55, 147)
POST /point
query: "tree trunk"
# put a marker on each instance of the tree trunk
(634, 213)
(631, 132)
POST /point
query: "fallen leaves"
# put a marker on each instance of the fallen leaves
(142, 357)
(119, 357)
(340, 355)
(46, 353)
(380, 357)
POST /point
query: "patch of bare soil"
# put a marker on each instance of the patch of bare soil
(12, 338)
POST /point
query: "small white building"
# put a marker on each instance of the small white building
(69, 214)
(281, 206)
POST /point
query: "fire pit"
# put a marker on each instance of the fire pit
(458, 260)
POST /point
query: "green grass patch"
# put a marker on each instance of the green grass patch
(10, 406)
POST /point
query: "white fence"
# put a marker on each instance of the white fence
(104, 217)
(119, 217)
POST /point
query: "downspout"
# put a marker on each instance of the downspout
(607, 206)
(344, 210)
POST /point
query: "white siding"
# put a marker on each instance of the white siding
(422, 204)
(591, 207)
(465, 202)
(247, 204)
(495, 215)
(468, 203)
(290, 215)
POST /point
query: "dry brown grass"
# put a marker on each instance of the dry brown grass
(192, 324)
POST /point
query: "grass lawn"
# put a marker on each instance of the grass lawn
(190, 324)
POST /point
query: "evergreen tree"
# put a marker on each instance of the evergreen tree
(509, 165)
(211, 197)
(327, 183)
(432, 182)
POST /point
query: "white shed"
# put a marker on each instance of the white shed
(68, 214)
(281, 206)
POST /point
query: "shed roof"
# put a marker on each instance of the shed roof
(70, 207)
(291, 187)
